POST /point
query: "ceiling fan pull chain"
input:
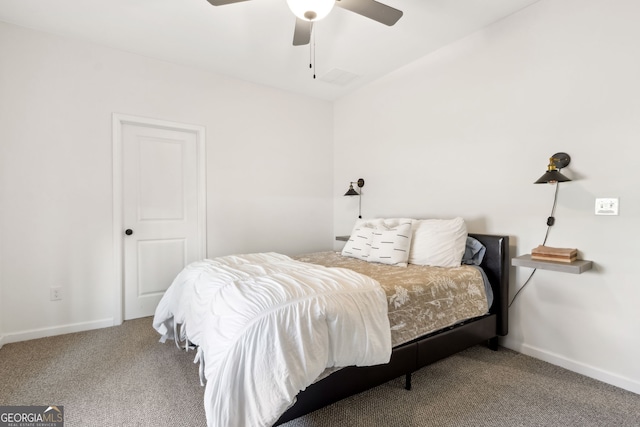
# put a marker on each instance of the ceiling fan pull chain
(310, 56)
(312, 49)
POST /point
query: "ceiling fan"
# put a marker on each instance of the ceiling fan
(309, 11)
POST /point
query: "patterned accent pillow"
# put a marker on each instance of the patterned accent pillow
(391, 245)
(359, 244)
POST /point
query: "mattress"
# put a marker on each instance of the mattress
(421, 299)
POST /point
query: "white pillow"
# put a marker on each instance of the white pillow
(381, 222)
(359, 243)
(391, 245)
(438, 242)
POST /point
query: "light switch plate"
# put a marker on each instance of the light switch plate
(607, 206)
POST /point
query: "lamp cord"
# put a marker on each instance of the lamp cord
(522, 287)
(550, 222)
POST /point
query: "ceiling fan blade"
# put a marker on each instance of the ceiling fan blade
(223, 2)
(372, 9)
(302, 32)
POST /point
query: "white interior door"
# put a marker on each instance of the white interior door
(162, 228)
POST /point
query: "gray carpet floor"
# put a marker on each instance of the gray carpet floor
(122, 376)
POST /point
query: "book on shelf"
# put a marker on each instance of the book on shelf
(551, 258)
(547, 253)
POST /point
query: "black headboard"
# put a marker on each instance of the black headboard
(496, 265)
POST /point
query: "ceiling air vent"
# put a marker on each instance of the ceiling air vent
(338, 77)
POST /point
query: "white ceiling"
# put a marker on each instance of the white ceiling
(252, 40)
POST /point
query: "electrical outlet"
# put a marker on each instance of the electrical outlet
(608, 206)
(55, 293)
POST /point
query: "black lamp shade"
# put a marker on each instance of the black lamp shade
(351, 191)
(552, 176)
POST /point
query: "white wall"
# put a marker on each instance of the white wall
(466, 131)
(269, 180)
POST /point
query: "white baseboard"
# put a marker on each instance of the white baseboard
(33, 334)
(575, 366)
(1, 340)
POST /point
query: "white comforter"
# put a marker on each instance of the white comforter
(268, 326)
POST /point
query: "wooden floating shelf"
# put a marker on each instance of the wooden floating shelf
(575, 267)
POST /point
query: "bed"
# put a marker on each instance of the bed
(411, 356)
(366, 347)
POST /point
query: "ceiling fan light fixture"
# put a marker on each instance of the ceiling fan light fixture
(311, 10)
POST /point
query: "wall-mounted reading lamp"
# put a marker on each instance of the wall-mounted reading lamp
(352, 192)
(551, 176)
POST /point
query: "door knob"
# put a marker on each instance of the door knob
(128, 232)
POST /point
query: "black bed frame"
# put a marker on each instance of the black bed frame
(423, 351)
